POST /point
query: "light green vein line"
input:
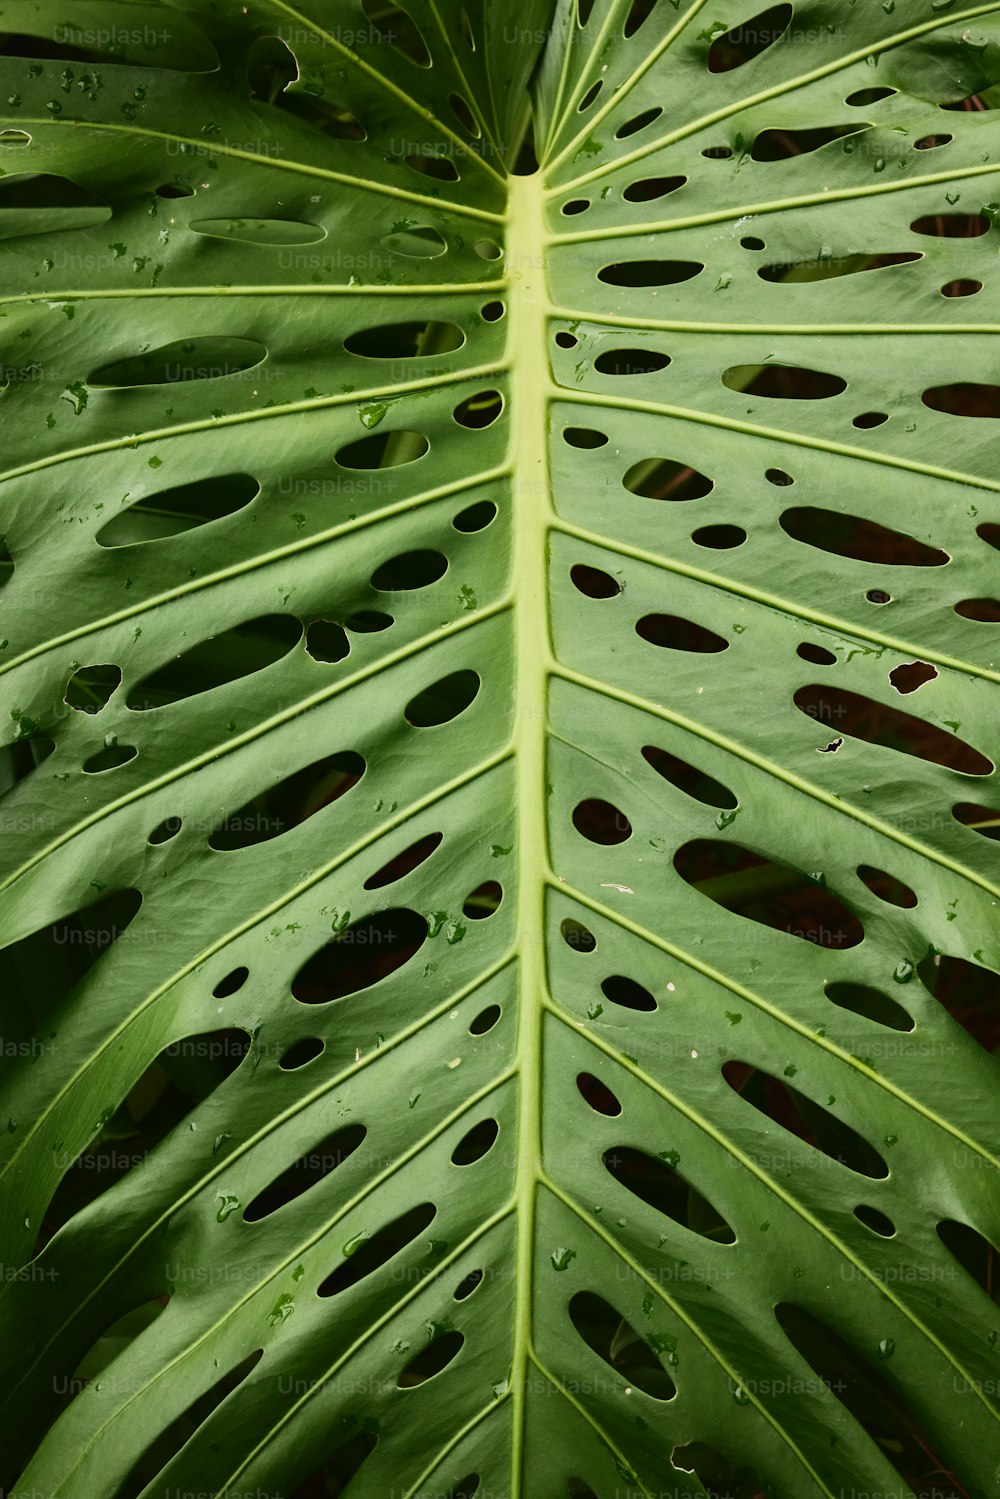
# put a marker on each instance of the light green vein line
(682, 1316)
(416, 1489)
(776, 205)
(217, 148)
(400, 289)
(769, 1182)
(735, 330)
(624, 1465)
(775, 434)
(297, 1107)
(281, 1266)
(836, 804)
(249, 565)
(775, 601)
(248, 924)
(237, 418)
(249, 736)
(390, 86)
(789, 1021)
(470, 93)
(802, 80)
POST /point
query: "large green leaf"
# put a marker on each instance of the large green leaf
(503, 743)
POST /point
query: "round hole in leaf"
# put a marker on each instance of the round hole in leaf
(751, 242)
(475, 517)
(566, 340)
(443, 700)
(326, 641)
(478, 1142)
(485, 1020)
(492, 312)
(484, 901)
(301, 1052)
(593, 583)
(878, 596)
(487, 249)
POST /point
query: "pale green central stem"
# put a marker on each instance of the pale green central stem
(527, 311)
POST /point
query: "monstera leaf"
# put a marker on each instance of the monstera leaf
(498, 648)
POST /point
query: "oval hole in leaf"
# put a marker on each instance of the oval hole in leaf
(442, 169)
(595, 88)
(719, 538)
(373, 1252)
(184, 507)
(639, 13)
(817, 654)
(648, 189)
(395, 26)
(423, 242)
(875, 1220)
(402, 863)
(290, 802)
(231, 983)
(663, 1188)
(165, 830)
(260, 231)
(783, 382)
(616, 1342)
(670, 632)
(865, 96)
(484, 901)
(964, 398)
(801, 1116)
(405, 340)
(443, 701)
(985, 611)
(666, 479)
(887, 887)
(637, 122)
(410, 570)
(742, 43)
(686, 778)
(485, 1020)
(475, 517)
(109, 759)
(44, 204)
(982, 820)
(976, 1255)
(910, 675)
(650, 272)
(208, 358)
(774, 895)
(952, 225)
(480, 410)
(599, 822)
(466, 1287)
(236, 653)
(175, 190)
(383, 450)
(305, 1172)
(864, 718)
(967, 288)
(859, 538)
(301, 1053)
(630, 362)
(873, 1402)
(91, 687)
(478, 1142)
(593, 583)
(364, 953)
(780, 145)
(598, 1095)
(431, 1360)
(584, 437)
(969, 992)
(626, 993)
(575, 205)
(871, 1003)
(576, 935)
(367, 622)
